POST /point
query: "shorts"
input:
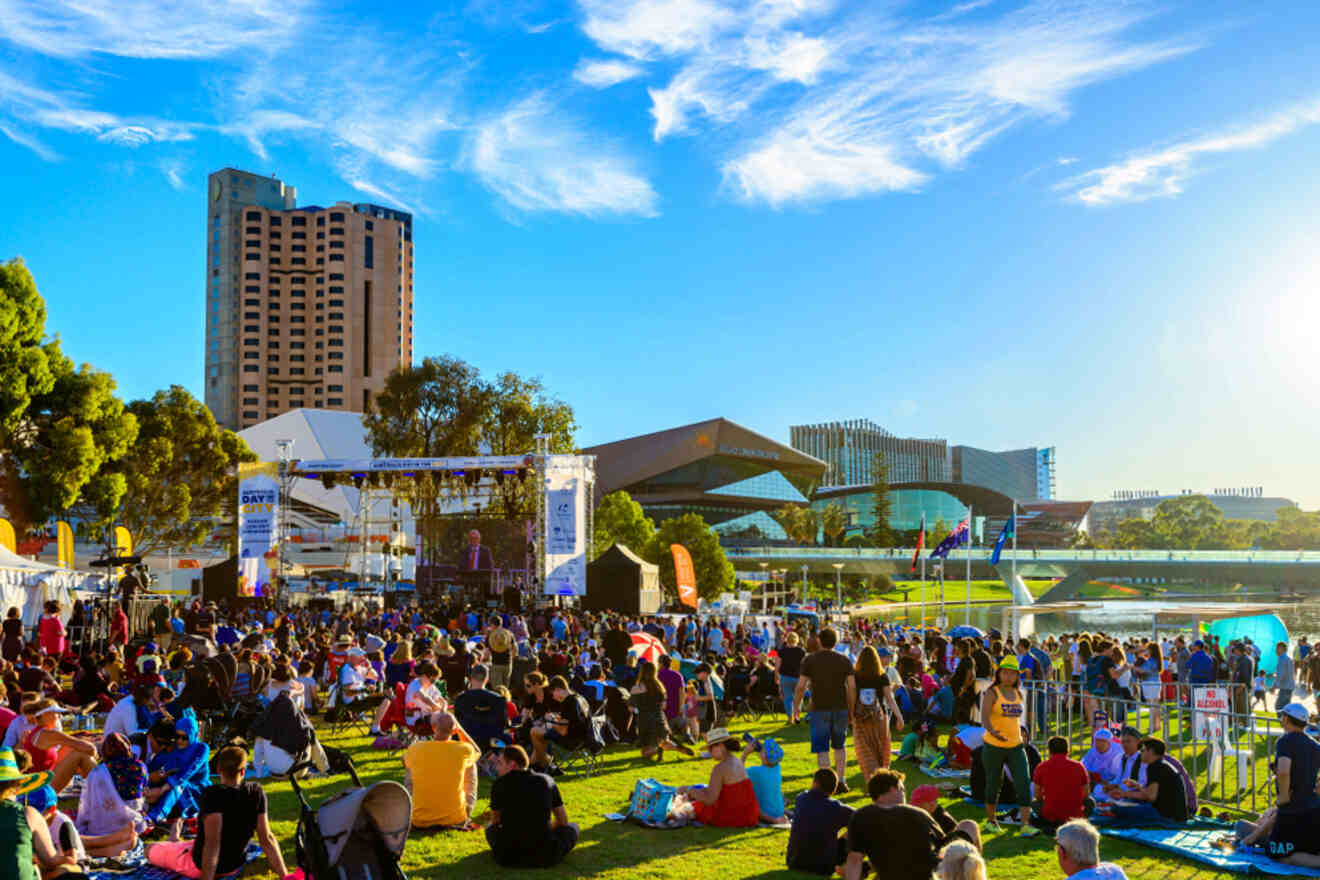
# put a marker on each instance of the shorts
(829, 730)
(176, 857)
(1294, 833)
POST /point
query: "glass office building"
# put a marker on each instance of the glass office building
(849, 450)
(1024, 474)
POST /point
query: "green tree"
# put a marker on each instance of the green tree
(790, 519)
(179, 474)
(834, 521)
(65, 439)
(24, 368)
(519, 411)
(713, 569)
(1185, 522)
(881, 504)
(1135, 534)
(810, 525)
(620, 520)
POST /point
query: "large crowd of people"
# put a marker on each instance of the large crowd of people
(135, 727)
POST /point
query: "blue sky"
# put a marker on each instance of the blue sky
(1090, 225)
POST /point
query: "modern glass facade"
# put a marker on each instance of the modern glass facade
(849, 449)
(1045, 473)
(906, 507)
(1014, 473)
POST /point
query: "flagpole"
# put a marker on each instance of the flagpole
(968, 621)
(921, 539)
(1016, 613)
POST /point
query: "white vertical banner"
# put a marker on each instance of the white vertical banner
(258, 520)
(565, 527)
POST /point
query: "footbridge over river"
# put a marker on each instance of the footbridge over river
(1290, 572)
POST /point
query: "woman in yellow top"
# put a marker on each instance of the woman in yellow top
(1003, 712)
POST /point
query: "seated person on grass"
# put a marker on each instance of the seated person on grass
(767, 779)
(565, 725)
(178, 776)
(1294, 839)
(24, 835)
(230, 812)
(529, 826)
(1163, 800)
(901, 841)
(922, 744)
(1131, 770)
(814, 842)
(423, 702)
(728, 800)
(1062, 788)
(960, 861)
(441, 775)
(61, 754)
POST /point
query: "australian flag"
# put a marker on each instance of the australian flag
(1006, 535)
(956, 538)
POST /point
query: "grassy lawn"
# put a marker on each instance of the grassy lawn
(629, 851)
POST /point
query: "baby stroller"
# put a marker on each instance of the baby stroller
(357, 834)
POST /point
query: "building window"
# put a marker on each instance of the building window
(297, 305)
(252, 316)
(250, 342)
(272, 371)
(335, 245)
(252, 288)
(251, 388)
(320, 221)
(251, 368)
(297, 331)
(337, 217)
(335, 289)
(275, 236)
(336, 316)
(250, 256)
(297, 371)
(335, 276)
(250, 415)
(369, 253)
(297, 319)
(320, 236)
(252, 243)
(297, 358)
(251, 355)
(298, 221)
(252, 276)
(276, 220)
(335, 368)
(251, 328)
(334, 258)
(335, 355)
(338, 343)
(335, 401)
(250, 401)
(273, 358)
(251, 302)
(336, 303)
(370, 226)
(299, 261)
(298, 247)
(254, 215)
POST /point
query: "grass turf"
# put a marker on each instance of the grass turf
(629, 851)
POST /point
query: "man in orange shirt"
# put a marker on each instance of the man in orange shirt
(442, 776)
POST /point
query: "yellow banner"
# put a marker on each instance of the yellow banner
(64, 544)
(123, 542)
(685, 575)
(7, 537)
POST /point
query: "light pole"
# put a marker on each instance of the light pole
(838, 585)
(765, 588)
(804, 582)
(284, 453)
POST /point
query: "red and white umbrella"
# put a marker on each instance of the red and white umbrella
(647, 647)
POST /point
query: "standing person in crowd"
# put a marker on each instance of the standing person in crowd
(1294, 840)
(648, 699)
(1285, 679)
(1240, 670)
(901, 841)
(672, 680)
(789, 666)
(829, 676)
(814, 842)
(1077, 846)
(529, 825)
(1003, 712)
(50, 629)
(229, 814)
(500, 642)
(872, 712)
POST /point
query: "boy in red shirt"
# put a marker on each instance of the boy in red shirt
(1062, 788)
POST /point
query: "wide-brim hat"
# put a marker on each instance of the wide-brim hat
(1010, 662)
(9, 773)
(344, 640)
(717, 735)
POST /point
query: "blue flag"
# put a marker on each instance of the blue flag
(955, 538)
(1010, 528)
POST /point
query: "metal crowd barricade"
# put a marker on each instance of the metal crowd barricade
(1227, 752)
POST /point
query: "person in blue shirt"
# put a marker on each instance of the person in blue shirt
(814, 842)
(1037, 674)
(940, 705)
(767, 779)
(560, 627)
(1296, 765)
(1077, 845)
(1200, 665)
(178, 776)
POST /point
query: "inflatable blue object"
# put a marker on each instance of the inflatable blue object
(1264, 630)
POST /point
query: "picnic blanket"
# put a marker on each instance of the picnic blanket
(946, 772)
(1195, 843)
(136, 859)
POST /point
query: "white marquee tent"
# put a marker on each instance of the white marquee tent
(28, 585)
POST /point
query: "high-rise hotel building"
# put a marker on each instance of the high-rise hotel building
(305, 307)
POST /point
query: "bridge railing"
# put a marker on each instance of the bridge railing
(1026, 555)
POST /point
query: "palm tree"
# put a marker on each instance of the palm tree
(834, 521)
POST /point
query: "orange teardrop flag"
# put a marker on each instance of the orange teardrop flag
(685, 575)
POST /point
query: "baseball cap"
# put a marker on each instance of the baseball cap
(1296, 711)
(1104, 733)
(924, 794)
(1198, 644)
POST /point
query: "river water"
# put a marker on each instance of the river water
(1118, 617)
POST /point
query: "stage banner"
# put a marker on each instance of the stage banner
(258, 516)
(685, 575)
(7, 536)
(64, 544)
(123, 541)
(566, 540)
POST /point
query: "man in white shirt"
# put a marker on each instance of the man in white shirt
(124, 717)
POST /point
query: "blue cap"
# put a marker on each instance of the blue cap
(883, 652)
(771, 752)
(41, 799)
(1198, 644)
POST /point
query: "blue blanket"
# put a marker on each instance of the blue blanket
(144, 870)
(1194, 844)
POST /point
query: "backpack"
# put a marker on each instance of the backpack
(651, 801)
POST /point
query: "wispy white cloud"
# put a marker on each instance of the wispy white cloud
(173, 169)
(1066, 160)
(26, 140)
(646, 28)
(146, 29)
(537, 160)
(601, 74)
(1162, 173)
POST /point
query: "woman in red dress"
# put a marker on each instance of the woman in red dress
(728, 800)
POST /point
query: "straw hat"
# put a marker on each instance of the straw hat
(9, 773)
(717, 735)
